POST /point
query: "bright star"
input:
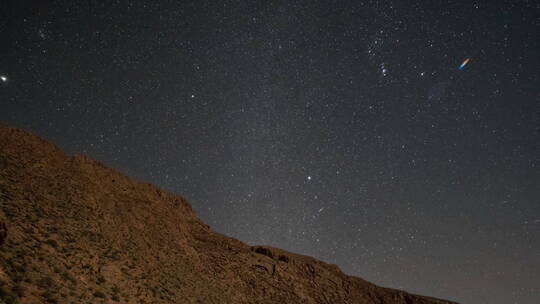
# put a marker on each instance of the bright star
(309, 177)
(384, 70)
(3, 78)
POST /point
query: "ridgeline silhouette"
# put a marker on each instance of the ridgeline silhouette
(80, 232)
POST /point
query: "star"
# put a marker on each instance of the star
(309, 177)
(3, 78)
(42, 34)
(384, 71)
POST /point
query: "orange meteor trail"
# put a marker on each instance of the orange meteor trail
(464, 63)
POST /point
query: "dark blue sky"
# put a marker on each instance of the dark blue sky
(339, 129)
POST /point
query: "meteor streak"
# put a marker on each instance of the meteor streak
(464, 63)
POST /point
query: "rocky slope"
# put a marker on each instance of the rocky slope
(79, 232)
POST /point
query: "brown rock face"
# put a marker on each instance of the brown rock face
(80, 232)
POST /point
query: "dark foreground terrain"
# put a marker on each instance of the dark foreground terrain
(79, 232)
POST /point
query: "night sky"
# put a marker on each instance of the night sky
(344, 130)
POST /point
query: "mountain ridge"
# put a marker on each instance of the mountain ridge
(80, 232)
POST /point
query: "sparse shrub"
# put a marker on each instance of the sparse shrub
(67, 277)
(10, 263)
(21, 269)
(17, 278)
(20, 254)
(18, 290)
(115, 298)
(45, 282)
(99, 294)
(49, 297)
(53, 229)
(100, 280)
(6, 295)
(115, 291)
(52, 243)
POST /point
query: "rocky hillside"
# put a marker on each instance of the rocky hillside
(75, 231)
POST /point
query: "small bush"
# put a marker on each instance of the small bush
(18, 290)
(45, 282)
(52, 243)
(17, 278)
(19, 268)
(6, 295)
(99, 294)
(49, 297)
(68, 278)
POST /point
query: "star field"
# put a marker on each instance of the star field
(342, 130)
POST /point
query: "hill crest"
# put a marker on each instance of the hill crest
(80, 232)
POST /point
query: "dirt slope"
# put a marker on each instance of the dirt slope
(79, 232)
